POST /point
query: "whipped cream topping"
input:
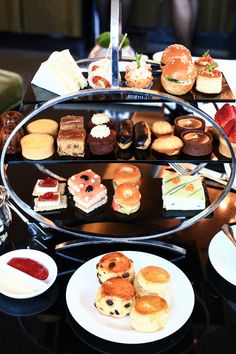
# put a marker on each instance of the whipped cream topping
(100, 131)
(100, 118)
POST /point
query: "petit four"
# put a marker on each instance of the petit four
(182, 192)
(189, 122)
(82, 179)
(37, 146)
(197, 143)
(139, 73)
(50, 201)
(101, 140)
(209, 80)
(48, 184)
(127, 173)
(202, 62)
(43, 126)
(126, 199)
(142, 135)
(161, 127)
(125, 133)
(71, 142)
(71, 122)
(10, 118)
(168, 144)
(14, 145)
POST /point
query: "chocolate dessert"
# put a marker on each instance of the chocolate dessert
(197, 143)
(101, 140)
(187, 123)
(71, 142)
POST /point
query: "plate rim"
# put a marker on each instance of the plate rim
(143, 338)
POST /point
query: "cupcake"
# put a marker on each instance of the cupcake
(101, 140)
(99, 119)
(139, 73)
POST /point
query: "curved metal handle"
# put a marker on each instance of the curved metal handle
(115, 35)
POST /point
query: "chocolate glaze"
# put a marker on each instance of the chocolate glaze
(197, 143)
(141, 133)
(125, 132)
(197, 124)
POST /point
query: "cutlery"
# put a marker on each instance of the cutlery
(228, 231)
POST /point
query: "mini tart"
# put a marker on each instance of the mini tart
(197, 143)
(37, 146)
(152, 280)
(162, 127)
(209, 82)
(168, 144)
(43, 126)
(149, 314)
(186, 123)
(202, 62)
(115, 297)
(115, 264)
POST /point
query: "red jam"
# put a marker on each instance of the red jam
(48, 182)
(30, 267)
(49, 196)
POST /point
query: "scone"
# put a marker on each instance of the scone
(152, 280)
(149, 314)
(168, 144)
(115, 264)
(37, 146)
(115, 297)
(161, 128)
(43, 126)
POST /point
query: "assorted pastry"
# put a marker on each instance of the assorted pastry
(100, 73)
(138, 73)
(209, 79)
(142, 297)
(8, 121)
(204, 61)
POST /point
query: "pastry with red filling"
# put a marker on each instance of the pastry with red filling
(50, 201)
(209, 80)
(202, 62)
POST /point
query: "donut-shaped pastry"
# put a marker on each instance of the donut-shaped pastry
(127, 174)
(10, 118)
(126, 199)
(115, 264)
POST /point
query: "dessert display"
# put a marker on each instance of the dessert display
(99, 73)
(197, 143)
(178, 75)
(8, 122)
(37, 146)
(99, 119)
(87, 190)
(152, 280)
(142, 135)
(115, 264)
(50, 201)
(182, 192)
(139, 73)
(48, 184)
(115, 297)
(43, 126)
(101, 140)
(209, 80)
(30, 267)
(174, 50)
(127, 173)
(71, 122)
(204, 61)
(161, 128)
(71, 142)
(126, 199)
(125, 133)
(189, 122)
(60, 74)
(149, 313)
(168, 145)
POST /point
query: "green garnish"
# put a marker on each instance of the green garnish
(138, 59)
(206, 53)
(104, 40)
(212, 66)
(172, 80)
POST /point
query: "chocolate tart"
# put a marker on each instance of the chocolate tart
(197, 143)
(187, 123)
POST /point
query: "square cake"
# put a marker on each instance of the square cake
(71, 122)
(71, 142)
(181, 192)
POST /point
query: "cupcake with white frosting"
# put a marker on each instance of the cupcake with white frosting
(101, 140)
(99, 119)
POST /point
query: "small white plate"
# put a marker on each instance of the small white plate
(83, 286)
(222, 254)
(19, 285)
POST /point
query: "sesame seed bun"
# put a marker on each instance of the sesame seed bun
(174, 50)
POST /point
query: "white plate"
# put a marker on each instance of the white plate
(83, 286)
(222, 254)
(19, 285)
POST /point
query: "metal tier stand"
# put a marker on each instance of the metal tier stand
(41, 226)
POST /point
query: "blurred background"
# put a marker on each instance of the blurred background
(31, 29)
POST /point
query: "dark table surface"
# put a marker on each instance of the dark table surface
(44, 324)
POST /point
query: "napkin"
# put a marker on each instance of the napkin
(60, 74)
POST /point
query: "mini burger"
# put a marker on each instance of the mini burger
(126, 199)
(178, 76)
(174, 50)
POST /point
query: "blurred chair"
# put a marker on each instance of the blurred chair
(11, 90)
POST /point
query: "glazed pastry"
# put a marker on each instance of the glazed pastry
(99, 119)
(127, 174)
(125, 133)
(115, 264)
(169, 145)
(101, 140)
(14, 145)
(142, 135)
(37, 146)
(149, 313)
(162, 127)
(185, 123)
(10, 118)
(197, 143)
(115, 298)
(43, 126)
(152, 280)
(71, 122)
(71, 142)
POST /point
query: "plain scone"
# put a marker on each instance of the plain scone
(37, 146)
(149, 313)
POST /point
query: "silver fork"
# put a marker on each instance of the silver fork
(186, 171)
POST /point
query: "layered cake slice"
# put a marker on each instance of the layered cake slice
(48, 184)
(71, 142)
(71, 122)
(50, 201)
(180, 192)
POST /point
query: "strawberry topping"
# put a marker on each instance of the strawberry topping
(225, 114)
